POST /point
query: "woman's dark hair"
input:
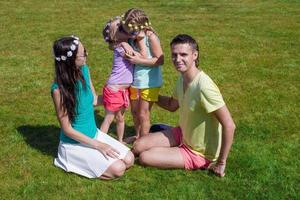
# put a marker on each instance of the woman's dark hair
(186, 39)
(67, 73)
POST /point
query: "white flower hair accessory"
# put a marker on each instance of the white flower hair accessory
(73, 47)
(106, 29)
(69, 53)
(63, 58)
(106, 34)
(76, 42)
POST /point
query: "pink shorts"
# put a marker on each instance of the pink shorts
(191, 160)
(115, 99)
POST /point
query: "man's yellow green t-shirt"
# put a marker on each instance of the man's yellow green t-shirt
(201, 130)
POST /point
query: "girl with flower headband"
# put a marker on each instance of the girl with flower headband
(147, 78)
(116, 89)
(83, 149)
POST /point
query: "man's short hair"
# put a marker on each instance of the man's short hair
(186, 39)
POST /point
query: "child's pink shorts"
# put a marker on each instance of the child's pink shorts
(191, 160)
(115, 99)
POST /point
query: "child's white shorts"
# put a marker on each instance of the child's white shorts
(86, 161)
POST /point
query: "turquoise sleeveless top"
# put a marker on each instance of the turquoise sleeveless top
(84, 120)
(146, 76)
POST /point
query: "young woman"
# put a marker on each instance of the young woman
(83, 149)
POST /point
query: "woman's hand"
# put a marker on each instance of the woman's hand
(106, 150)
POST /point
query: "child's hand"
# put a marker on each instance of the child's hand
(141, 35)
(134, 58)
(217, 168)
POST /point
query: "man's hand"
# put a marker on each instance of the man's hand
(217, 168)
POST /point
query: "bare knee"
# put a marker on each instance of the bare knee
(129, 159)
(117, 169)
(134, 113)
(144, 115)
(120, 118)
(139, 146)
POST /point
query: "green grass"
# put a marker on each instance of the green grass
(251, 50)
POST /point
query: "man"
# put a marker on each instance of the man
(205, 132)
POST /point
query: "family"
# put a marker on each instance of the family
(203, 137)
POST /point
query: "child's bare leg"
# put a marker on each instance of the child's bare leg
(134, 105)
(144, 116)
(135, 115)
(109, 117)
(120, 123)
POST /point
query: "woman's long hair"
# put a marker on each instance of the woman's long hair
(67, 73)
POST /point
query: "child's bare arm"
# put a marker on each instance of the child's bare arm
(127, 48)
(156, 50)
(141, 44)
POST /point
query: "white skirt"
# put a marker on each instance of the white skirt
(86, 161)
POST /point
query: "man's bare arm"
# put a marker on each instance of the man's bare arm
(228, 127)
(168, 103)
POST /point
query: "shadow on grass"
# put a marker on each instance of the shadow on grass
(46, 138)
(43, 138)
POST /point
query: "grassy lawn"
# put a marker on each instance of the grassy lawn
(250, 49)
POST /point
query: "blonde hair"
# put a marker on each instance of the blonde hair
(136, 19)
(110, 31)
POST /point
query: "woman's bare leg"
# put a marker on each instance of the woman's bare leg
(115, 170)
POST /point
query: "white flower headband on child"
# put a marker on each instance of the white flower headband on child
(73, 47)
(107, 28)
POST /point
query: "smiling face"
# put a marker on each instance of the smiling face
(183, 57)
(80, 56)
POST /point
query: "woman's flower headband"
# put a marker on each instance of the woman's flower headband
(73, 47)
